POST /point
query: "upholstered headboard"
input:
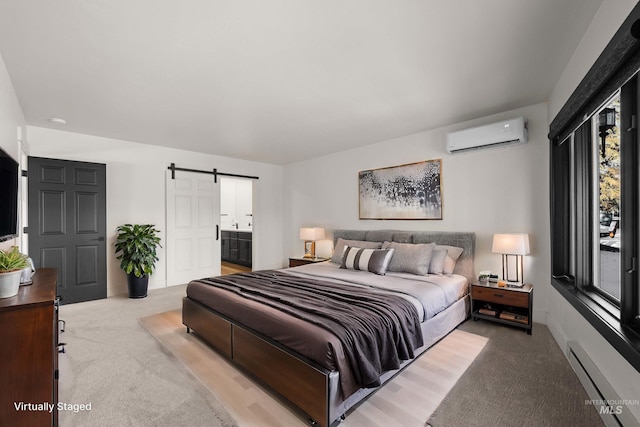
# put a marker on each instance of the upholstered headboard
(464, 240)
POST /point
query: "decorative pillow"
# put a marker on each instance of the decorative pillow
(438, 257)
(453, 253)
(410, 258)
(372, 260)
(341, 244)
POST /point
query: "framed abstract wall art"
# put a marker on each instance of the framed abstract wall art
(412, 191)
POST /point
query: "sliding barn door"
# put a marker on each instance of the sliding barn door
(193, 227)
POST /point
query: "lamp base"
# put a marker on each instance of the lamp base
(519, 264)
(309, 249)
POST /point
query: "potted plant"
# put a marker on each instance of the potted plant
(12, 262)
(136, 246)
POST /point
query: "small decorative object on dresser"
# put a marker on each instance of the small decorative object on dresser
(511, 306)
(12, 262)
(484, 276)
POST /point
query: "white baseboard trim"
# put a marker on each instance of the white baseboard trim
(557, 333)
(612, 409)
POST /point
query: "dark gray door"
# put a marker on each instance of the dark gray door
(67, 225)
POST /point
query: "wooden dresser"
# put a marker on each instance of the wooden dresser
(29, 353)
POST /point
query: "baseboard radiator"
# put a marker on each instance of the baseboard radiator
(608, 404)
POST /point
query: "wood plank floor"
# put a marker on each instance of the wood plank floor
(407, 400)
(229, 268)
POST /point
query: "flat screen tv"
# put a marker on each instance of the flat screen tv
(8, 197)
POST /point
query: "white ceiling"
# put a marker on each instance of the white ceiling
(281, 81)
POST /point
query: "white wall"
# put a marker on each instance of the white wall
(563, 320)
(136, 190)
(11, 118)
(488, 191)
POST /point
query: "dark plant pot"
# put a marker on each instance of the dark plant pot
(137, 285)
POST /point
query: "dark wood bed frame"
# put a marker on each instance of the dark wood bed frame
(311, 388)
(297, 379)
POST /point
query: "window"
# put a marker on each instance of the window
(595, 238)
(606, 228)
(595, 194)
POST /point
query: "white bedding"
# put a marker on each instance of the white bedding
(430, 294)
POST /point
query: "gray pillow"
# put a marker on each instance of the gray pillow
(372, 260)
(438, 257)
(341, 244)
(453, 253)
(410, 258)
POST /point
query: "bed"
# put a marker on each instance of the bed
(261, 321)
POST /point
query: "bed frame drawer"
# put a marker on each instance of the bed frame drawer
(303, 385)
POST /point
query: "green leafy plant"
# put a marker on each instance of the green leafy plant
(12, 260)
(136, 246)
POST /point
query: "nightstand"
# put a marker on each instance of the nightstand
(298, 261)
(511, 306)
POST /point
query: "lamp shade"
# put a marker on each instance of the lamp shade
(511, 244)
(311, 234)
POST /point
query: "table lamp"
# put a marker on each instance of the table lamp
(310, 236)
(517, 245)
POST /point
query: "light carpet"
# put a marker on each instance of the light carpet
(407, 400)
(128, 378)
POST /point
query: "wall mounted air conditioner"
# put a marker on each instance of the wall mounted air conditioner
(502, 133)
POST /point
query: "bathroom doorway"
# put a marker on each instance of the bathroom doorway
(236, 223)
